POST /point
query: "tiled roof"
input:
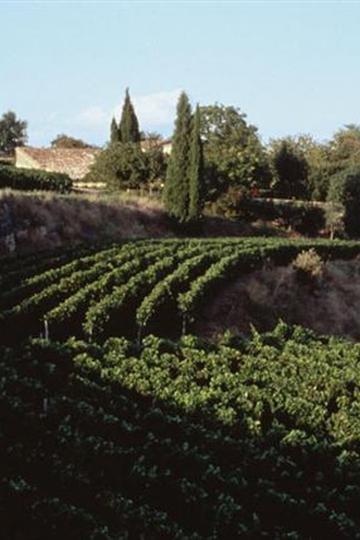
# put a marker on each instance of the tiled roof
(72, 161)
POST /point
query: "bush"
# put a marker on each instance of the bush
(345, 189)
(308, 265)
(301, 216)
(120, 166)
(33, 180)
(230, 204)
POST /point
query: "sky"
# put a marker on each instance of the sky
(292, 67)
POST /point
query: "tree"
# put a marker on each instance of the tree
(320, 170)
(12, 132)
(233, 154)
(114, 131)
(120, 166)
(290, 170)
(129, 125)
(65, 141)
(196, 163)
(156, 162)
(345, 148)
(176, 193)
(345, 189)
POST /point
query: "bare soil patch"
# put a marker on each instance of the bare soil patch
(328, 305)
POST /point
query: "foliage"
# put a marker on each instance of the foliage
(12, 132)
(190, 440)
(114, 131)
(128, 125)
(320, 169)
(345, 189)
(156, 162)
(120, 166)
(230, 203)
(130, 289)
(290, 170)
(64, 141)
(233, 154)
(33, 180)
(196, 170)
(176, 192)
(345, 148)
(301, 216)
(334, 219)
(308, 265)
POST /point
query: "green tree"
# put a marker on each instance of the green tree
(65, 141)
(114, 131)
(120, 166)
(233, 154)
(345, 189)
(156, 164)
(345, 148)
(176, 192)
(12, 132)
(196, 170)
(129, 125)
(290, 170)
(320, 170)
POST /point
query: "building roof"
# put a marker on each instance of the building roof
(149, 143)
(74, 162)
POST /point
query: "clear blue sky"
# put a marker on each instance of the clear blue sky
(292, 67)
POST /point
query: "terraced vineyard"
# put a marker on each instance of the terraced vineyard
(132, 289)
(110, 428)
(256, 439)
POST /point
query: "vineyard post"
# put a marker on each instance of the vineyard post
(184, 324)
(139, 334)
(46, 329)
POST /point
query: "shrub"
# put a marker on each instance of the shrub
(230, 204)
(345, 189)
(33, 180)
(309, 265)
(120, 166)
(301, 216)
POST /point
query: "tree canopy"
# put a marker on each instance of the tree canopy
(176, 195)
(345, 189)
(233, 153)
(65, 141)
(290, 170)
(120, 166)
(129, 126)
(12, 132)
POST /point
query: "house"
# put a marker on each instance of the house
(75, 162)
(164, 144)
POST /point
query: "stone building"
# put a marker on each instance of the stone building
(75, 162)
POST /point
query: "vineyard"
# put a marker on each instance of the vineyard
(242, 439)
(135, 288)
(117, 423)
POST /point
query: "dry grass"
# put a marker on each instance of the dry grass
(262, 297)
(43, 220)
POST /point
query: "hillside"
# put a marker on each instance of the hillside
(119, 421)
(38, 221)
(328, 305)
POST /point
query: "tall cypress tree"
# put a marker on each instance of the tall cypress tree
(129, 125)
(196, 170)
(114, 131)
(176, 192)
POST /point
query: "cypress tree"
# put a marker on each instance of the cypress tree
(176, 192)
(196, 165)
(129, 125)
(114, 131)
